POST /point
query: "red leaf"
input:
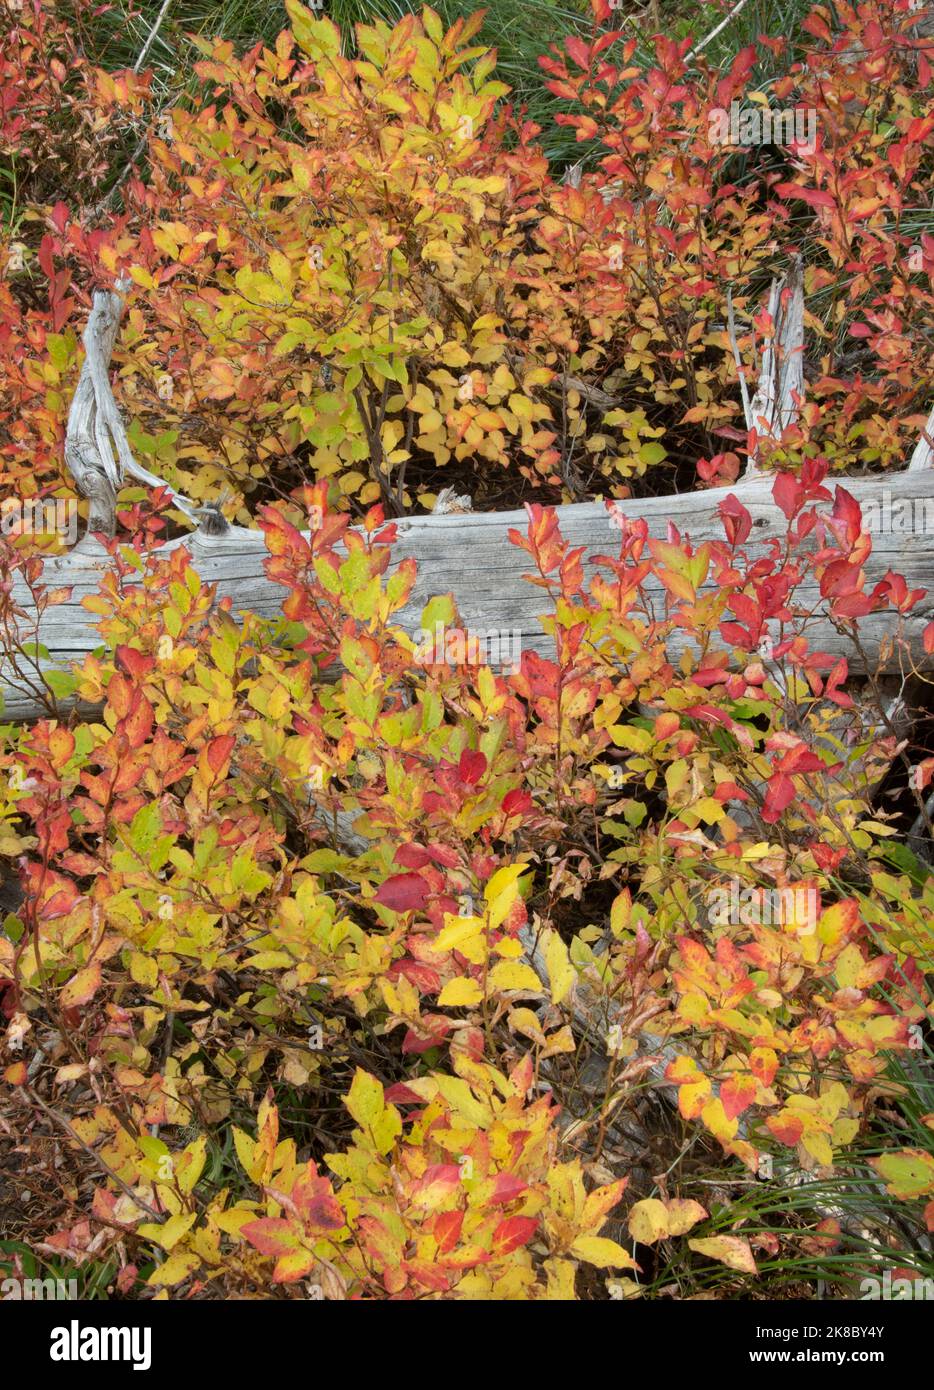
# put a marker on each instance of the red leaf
(764, 1064)
(519, 800)
(579, 51)
(506, 1188)
(137, 726)
(847, 509)
(737, 1094)
(218, 751)
(412, 856)
(119, 695)
(134, 662)
(512, 1233)
(400, 1094)
(270, 1236)
(472, 766)
(786, 1127)
(780, 794)
(61, 747)
(437, 1182)
(737, 523)
(314, 1198)
(788, 494)
(446, 1230)
(403, 893)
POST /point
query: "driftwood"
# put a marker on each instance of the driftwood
(469, 554)
(780, 390)
(97, 449)
(923, 456)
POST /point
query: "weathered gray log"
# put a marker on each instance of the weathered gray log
(470, 556)
(467, 555)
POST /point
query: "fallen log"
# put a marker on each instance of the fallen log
(470, 555)
(466, 554)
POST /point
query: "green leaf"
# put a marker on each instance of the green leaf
(317, 37)
(652, 453)
(61, 683)
(145, 828)
(909, 1173)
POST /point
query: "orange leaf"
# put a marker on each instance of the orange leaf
(61, 747)
(512, 1233)
(737, 1094)
(81, 987)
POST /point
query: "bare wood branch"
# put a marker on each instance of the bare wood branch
(740, 371)
(97, 450)
(727, 19)
(144, 51)
(775, 405)
(923, 456)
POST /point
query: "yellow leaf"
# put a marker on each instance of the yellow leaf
(170, 1232)
(708, 809)
(231, 1221)
(81, 987)
(729, 1250)
(510, 948)
(682, 1214)
(173, 1270)
(526, 1021)
(503, 878)
(538, 376)
(675, 776)
(560, 1275)
(190, 1164)
(818, 1146)
(457, 931)
(514, 975)
(280, 268)
(604, 1253)
(848, 965)
(460, 993)
(561, 973)
(246, 1150)
(144, 970)
(648, 1221)
(278, 702)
